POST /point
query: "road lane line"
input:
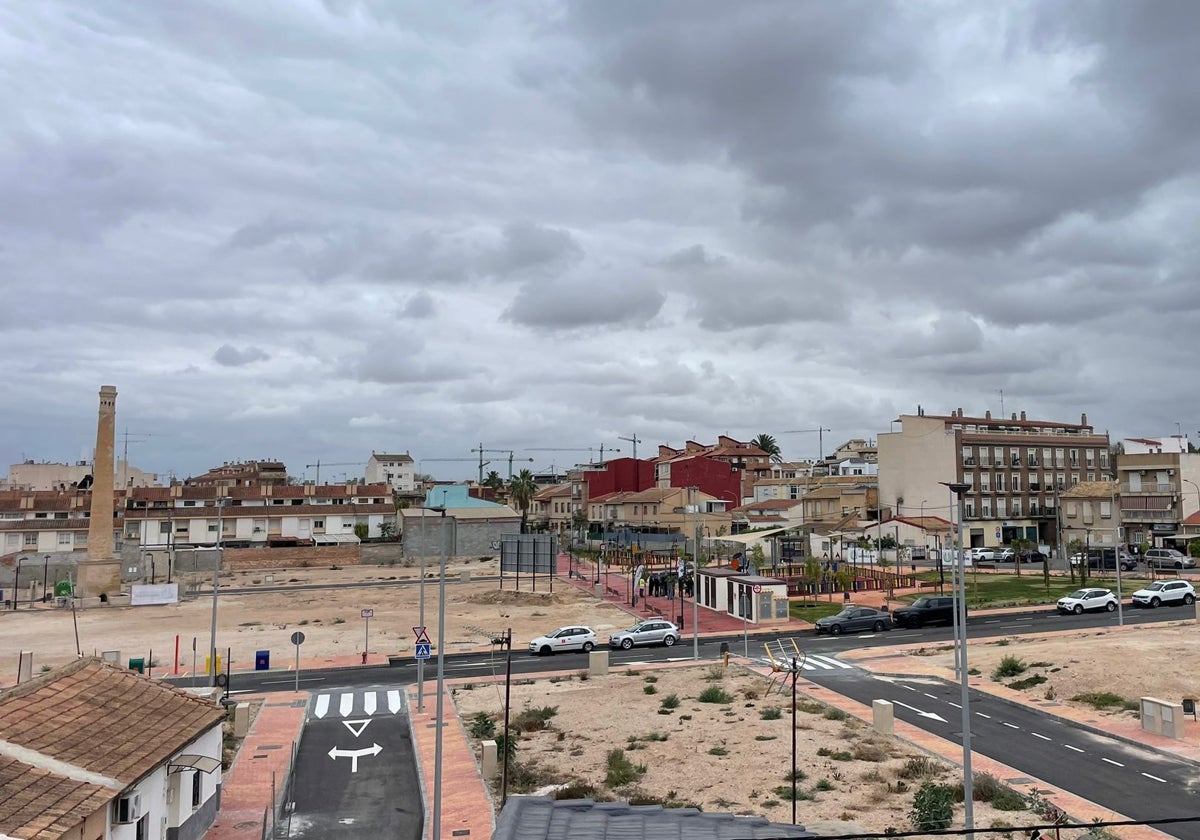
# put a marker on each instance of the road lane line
(955, 705)
(1155, 778)
(1043, 737)
(1110, 761)
(909, 687)
(930, 696)
(982, 715)
(1068, 746)
(1010, 725)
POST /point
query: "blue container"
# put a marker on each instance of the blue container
(262, 660)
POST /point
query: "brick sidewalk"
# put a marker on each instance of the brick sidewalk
(260, 768)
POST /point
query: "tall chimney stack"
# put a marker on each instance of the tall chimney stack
(101, 572)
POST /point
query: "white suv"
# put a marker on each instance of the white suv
(1165, 592)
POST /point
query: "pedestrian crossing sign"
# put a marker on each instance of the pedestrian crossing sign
(422, 651)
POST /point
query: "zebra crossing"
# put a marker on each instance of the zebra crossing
(359, 703)
(823, 663)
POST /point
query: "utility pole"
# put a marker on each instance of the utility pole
(506, 642)
(212, 644)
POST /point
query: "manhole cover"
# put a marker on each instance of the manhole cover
(242, 826)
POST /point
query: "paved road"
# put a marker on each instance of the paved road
(1136, 782)
(356, 773)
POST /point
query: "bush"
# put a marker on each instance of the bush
(1010, 666)
(482, 726)
(773, 713)
(1103, 700)
(824, 784)
(650, 689)
(671, 701)
(714, 694)
(919, 767)
(835, 714)
(1028, 682)
(621, 771)
(933, 807)
(534, 719)
(784, 792)
(867, 751)
(718, 751)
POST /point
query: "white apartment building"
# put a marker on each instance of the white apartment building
(396, 471)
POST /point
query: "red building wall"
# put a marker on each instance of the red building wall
(716, 478)
(621, 475)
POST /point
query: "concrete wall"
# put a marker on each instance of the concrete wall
(234, 559)
(62, 566)
(461, 539)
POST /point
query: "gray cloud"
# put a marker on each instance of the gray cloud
(229, 356)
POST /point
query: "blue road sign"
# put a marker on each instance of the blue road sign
(422, 651)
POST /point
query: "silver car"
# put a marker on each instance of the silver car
(1168, 558)
(653, 631)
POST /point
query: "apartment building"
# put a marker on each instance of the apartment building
(661, 510)
(397, 471)
(53, 475)
(1015, 468)
(1089, 514)
(242, 474)
(727, 469)
(1159, 490)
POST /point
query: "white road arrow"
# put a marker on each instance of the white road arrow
(355, 755)
(930, 715)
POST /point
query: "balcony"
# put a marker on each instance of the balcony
(1042, 511)
(1167, 515)
(1145, 487)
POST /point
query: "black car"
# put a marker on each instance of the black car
(1105, 560)
(1031, 555)
(928, 609)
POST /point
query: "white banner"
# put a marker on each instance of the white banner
(146, 594)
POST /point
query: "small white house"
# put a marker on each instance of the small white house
(136, 759)
(758, 599)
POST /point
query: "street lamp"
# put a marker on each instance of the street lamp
(696, 583)
(46, 580)
(441, 679)
(959, 489)
(212, 639)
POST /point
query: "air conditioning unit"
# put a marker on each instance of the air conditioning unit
(127, 809)
(1170, 472)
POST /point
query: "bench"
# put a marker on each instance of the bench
(928, 584)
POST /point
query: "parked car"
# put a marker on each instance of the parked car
(1031, 555)
(854, 619)
(653, 631)
(928, 609)
(1165, 592)
(1004, 555)
(564, 639)
(1087, 599)
(1168, 558)
(1105, 560)
(980, 552)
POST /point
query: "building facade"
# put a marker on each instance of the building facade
(1159, 490)
(397, 471)
(1015, 470)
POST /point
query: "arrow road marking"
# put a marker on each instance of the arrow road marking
(355, 755)
(322, 706)
(346, 705)
(930, 715)
(369, 703)
(356, 727)
(393, 698)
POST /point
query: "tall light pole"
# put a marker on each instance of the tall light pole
(959, 488)
(212, 639)
(441, 677)
(421, 613)
(695, 582)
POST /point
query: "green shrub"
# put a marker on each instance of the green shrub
(835, 714)
(651, 679)
(765, 737)
(714, 694)
(718, 751)
(507, 745)
(1028, 682)
(867, 751)
(824, 784)
(1009, 800)
(1010, 666)
(671, 701)
(621, 771)
(482, 726)
(919, 767)
(1101, 700)
(784, 792)
(933, 807)
(773, 713)
(650, 689)
(534, 719)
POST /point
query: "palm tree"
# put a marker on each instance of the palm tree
(521, 490)
(494, 481)
(768, 444)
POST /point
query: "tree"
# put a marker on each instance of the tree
(1075, 548)
(521, 489)
(768, 444)
(1018, 545)
(361, 531)
(387, 531)
(757, 558)
(494, 481)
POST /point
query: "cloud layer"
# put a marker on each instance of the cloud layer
(309, 230)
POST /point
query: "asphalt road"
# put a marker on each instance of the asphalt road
(355, 774)
(1136, 782)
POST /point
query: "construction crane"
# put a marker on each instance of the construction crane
(125, 456)
(820, 431)
(588, 449)
(333, 464)
(634, 440)
(508, 452)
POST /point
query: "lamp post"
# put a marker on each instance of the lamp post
(421, 615)
(441, 677)
(212, 638)
(45, 579)
(695, 583)
(959, 488)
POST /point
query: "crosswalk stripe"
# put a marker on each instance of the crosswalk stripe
(812, 664)
(347, 705)
(393, 698)
(322, 706)
(836, 663)
(369, 703)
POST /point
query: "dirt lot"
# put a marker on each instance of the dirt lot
(730, 755)
(330, 619)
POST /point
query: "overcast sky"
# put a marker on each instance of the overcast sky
(305, 230)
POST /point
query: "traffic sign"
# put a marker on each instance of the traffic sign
(367, 613)
(297, 638)
(422, 636)
(758, 587)
(422, 650)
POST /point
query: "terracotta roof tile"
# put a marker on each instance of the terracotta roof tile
(38, 805)
(104, 719)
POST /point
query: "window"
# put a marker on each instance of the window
(1046, 462)
(1016, 483)
(142, 828)
(968, 456)
(1072, 510)
(1104, 459)
(1016, 508)
(985, 483)
(1000, 508)
(60, 516)
(12, 540)
(1074, 454)
(986, 508)
(998, 456)
(318, 523)
(190, 503)
(212, 527)
(1058, 457)
(196, 789)
(969, 509)
(64, 538)
(1091, 457)
(999, 482)
(31, 539)
(39, 516)
(1062, 481)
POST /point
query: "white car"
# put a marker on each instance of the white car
(1165, 592)
(577, 637)
(1087, 599)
